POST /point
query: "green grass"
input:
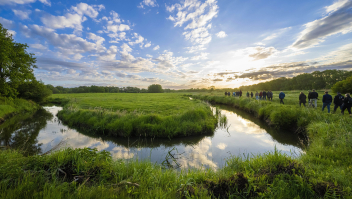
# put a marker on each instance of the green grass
(86, 173)
(328, 156)
(323, 171)
(137, 114)
(14, 106)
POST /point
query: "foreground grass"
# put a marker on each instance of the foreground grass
(86, 173)
(14, 106)
(330, 135)
(137, 114)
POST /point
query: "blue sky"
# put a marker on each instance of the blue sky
(180, 44)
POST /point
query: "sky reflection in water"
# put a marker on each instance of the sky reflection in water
(244, 134)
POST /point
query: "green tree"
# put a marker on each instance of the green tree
(16, 64)
(34, 90)
(155, 88)
(344, 86)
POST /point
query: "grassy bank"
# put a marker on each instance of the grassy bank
(328, 156)
(86, 173)
(9, 107)
(147, 115)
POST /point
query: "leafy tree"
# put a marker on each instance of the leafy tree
(155, 88)
(344, 86)
(16, 64)
(34, 90)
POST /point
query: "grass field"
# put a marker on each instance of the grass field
(330, 135)
(137, 114)
(324, 171)
(13, 106)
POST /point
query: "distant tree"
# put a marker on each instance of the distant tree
(16, 64)
(344, 86)
(34, 90)
(155, 88)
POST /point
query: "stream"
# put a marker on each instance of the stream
(243, 135)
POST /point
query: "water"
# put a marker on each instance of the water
(243, 135)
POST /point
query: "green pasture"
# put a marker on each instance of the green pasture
(137, 114)
(160, 103)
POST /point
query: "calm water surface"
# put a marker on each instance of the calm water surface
(244, 134)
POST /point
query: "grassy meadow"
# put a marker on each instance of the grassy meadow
(14, 106)
(324, 170)
(137, 114)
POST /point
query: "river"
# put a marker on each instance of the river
(243, 135)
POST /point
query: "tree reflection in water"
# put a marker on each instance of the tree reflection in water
(21, 131)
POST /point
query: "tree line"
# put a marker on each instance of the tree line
(154, 88)
(306, 81)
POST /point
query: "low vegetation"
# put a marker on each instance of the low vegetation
(10, 107)
(147, 115)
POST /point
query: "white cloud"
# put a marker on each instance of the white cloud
(38, 46)
(150, 56)
(125, 48)
(11, 32)
(117, 28)
(147, 45)
(22, 14)
(66, 43)
(6, 23)
(259, 44)
(198, 15)
(276, 34)
(193, 49)
(151, 3)
(167, 61)
(46, 2)
(96, 38)
(9, 2)
(201, 56)
(74, 18)
(156, 47)
(221, 34)
(339, 20)
(222, 146)
(139, 39)
(256, 53)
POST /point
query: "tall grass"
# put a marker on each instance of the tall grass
(328, 156)
(13, 106)
(86, 173)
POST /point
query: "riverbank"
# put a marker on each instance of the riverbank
(330, 135)
(139, 115)
(11, 107)
(86, 173)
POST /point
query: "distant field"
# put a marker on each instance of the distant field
(137, 114)
(160, 103)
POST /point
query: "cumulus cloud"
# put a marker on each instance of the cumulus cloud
(22, 14)
(114, 24)
(74, 18)
(147, 45)
(221, 34)
(167, 60)
(138, 40)
(151, 3)
(96, 38)
(338, 20)
(198, 16)
(193, 49)
(66, 43)
(156, 47)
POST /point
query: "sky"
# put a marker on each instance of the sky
(180, 43)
